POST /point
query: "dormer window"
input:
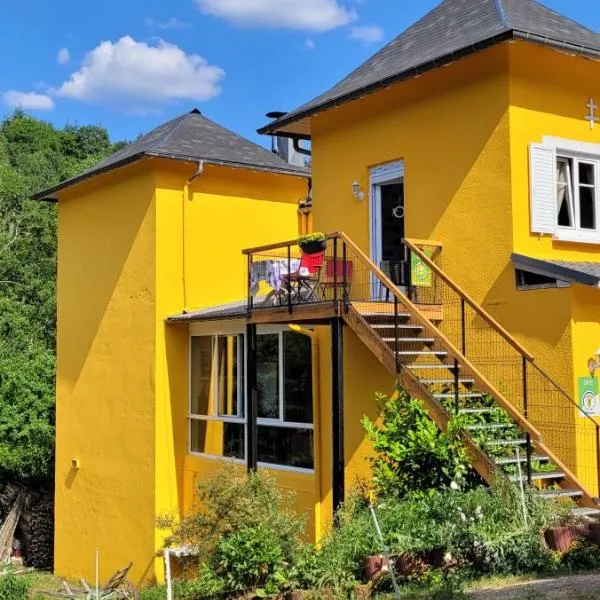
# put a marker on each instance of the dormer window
(565, 191)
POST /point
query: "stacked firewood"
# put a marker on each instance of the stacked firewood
(35, 529)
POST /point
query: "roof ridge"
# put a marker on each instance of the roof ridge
(179, 120)
(502, 14)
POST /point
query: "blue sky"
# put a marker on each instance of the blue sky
(131, 64)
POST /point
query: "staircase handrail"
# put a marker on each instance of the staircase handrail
(474, 305)
(494, 324)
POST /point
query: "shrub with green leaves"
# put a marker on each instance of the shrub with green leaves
(13, 588)
(246, 532)
(412, 454)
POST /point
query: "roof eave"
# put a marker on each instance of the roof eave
(551, 269)
(274, 128)
(49, 195)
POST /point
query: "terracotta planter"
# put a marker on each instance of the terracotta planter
(560, 539)
(374, 567)
(436, 558)
(296, 595)
(409, 564)
(595, 533)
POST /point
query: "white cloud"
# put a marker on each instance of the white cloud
(139, 77)
(310, 44)
(308, 15)
(172, 23)
(369, 34)
(28, 100)
(63, 56)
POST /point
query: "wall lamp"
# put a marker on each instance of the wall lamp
(594, 363)
(357, 192)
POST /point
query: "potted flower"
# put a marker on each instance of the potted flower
(313, 243)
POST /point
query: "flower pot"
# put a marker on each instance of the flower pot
(409, 564)
(436, 557)
(560, 539)
(296, 595)
(313, 247)
(374, 567)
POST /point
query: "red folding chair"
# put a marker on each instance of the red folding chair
(338, 274)
(304, 284)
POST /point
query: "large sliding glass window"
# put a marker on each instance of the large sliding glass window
(217, 425)
(285, 398)
(285, 411)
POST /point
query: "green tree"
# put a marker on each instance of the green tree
(33, 155)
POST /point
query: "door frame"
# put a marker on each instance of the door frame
(386, 174)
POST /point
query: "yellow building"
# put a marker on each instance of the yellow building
(462, 164)
(153, 230)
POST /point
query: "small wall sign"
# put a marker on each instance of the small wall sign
(421, 275)
(589, 402)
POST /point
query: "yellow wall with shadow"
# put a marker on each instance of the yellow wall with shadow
(136, 246)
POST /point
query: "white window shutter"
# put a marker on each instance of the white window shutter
(542, 175)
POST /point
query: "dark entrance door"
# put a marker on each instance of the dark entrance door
(392, 232)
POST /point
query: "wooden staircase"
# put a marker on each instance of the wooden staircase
(498, 436)
(445, 349)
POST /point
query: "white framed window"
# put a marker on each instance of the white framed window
(565, 190)
(216, 408)
(217, 423)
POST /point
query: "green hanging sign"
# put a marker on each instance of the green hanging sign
(589, 403)
(421, 275)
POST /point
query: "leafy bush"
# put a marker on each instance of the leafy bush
(583, 555)
(245, 530)
(412, 454)
(13, 588)
(317, 236)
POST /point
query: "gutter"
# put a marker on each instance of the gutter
(49, 194)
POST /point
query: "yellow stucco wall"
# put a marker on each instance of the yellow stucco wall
(105, 375)
(464, 133)
(201, 231)
(126, 242)
(548, 96)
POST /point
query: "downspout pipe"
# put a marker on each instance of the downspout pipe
(299, 149)
(186, 194)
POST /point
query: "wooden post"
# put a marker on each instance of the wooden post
(337, 405)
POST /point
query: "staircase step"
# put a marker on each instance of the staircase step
(516, 442)
(585, 512)
(463, 395)
(401, 326)
(407, 340)
(477, 411)
(435, 367)
(447, 381)
(490, 426)
(539, 476)
(512, 460)
(388, 316)
(561, 493)
(422, 353)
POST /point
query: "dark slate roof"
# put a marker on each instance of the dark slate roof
(235, 310)
(453, 29)
(189, 137)
(586, 273)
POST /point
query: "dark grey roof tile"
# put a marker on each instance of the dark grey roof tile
(190, 137)
(452, 29)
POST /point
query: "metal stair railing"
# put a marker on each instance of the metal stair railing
(572, 434)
